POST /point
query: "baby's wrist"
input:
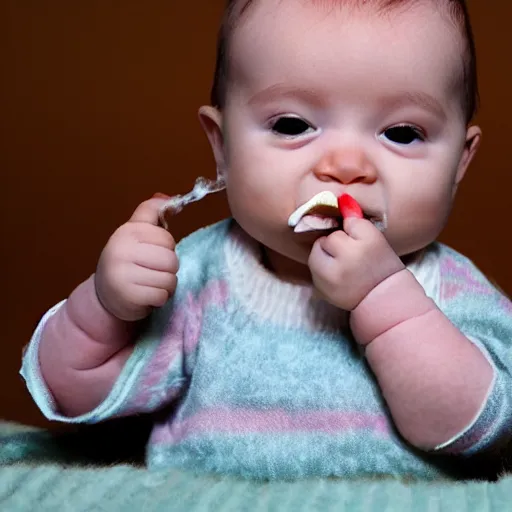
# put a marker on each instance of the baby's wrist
(86, 310)
(97, 297)
(395, 300)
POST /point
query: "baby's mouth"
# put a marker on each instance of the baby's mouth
(322, 213)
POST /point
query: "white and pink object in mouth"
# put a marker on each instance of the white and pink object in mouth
(325, 211)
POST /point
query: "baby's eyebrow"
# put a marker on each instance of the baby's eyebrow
(280, 91)
(420, 99)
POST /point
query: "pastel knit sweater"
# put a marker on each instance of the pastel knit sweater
(249, 375)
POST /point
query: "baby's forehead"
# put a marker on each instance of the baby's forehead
(281, 41)
(280, 20)
(234, 50)
(243, 11)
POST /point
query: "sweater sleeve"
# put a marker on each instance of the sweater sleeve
(161, 364)
(153, 376)
(484, 315)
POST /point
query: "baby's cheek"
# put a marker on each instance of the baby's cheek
(413, 228)
(263, 213)
(260, 188)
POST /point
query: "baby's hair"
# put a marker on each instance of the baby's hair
(457, 10)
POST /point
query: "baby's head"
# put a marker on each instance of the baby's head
(455, 10)
(369, 97)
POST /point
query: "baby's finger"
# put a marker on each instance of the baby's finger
(156, 258)
(153, 279)
(152, 235)
(333, 244)
(151, 296)
(359, 229)
(148, 210)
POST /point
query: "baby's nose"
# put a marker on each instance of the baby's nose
(347, 165)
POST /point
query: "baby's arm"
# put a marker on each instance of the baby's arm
(82, 351)
(435, 381)
(440, 387)
(86, 342)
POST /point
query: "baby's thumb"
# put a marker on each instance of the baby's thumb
(357, 228)
(159, 195)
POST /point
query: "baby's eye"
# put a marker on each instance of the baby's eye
(290, 126)
(404, 134)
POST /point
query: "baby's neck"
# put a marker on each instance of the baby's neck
(278, 291)
(294, 272)
(285, 268)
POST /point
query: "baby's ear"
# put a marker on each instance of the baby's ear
(473, 139)
(211, 121)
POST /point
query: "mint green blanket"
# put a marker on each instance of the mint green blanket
(40, 471)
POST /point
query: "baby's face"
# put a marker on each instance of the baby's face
(346, 102)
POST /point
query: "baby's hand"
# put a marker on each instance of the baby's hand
(347, 265)
(137, 268)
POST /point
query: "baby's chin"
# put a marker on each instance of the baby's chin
(287, 265)
(284, 249)
(287, 253)
(284, 252)
(406, 246)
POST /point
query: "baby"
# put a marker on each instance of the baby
(284, 346)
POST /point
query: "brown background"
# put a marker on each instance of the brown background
(98, 111)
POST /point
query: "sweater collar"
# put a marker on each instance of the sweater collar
(267, 297)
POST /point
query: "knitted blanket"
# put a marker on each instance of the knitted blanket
(93, 470)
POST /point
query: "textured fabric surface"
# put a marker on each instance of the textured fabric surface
(123, 488)
(49, 472)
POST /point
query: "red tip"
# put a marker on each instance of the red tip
(349, 207)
